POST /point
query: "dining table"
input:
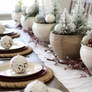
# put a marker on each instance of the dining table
(65, 78)
(33, 57)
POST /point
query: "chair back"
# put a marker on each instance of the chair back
(87, 5)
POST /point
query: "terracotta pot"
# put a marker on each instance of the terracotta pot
(66, 45)
(27, 23)
(42, 31)
(16, 17)
(86, 56)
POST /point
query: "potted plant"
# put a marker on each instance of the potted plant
(86, 50)
(67, 35)
(16, 15)
(27, 18)
(43, 23)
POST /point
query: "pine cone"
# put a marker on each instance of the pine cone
(90, 41)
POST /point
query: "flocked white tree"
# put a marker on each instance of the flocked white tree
(45, 9)
(40, 16)
(33, 10)
(66, 25)
(55, 10)
(79, 18)
(48, 7)
(41, 8)
(18, 6)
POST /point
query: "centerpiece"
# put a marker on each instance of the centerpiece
(7, 31)
(86, 50)
(67, 35)
(10, 48)
(27, 18)
(16, 15)
(44, 21)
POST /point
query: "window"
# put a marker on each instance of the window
(6, 6)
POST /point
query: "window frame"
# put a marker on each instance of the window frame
(5, 16)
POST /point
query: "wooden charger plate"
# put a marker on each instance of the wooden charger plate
(44, 75)
(10, 32)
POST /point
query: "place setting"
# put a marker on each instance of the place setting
(19, 72)
(10, 47)
(8, 31)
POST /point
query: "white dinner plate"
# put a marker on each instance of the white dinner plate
(16, 45)
(33, 68)
(7, 31)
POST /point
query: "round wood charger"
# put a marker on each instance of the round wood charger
(12, 35)
(15, 36)
(45, 75)
(10, 54)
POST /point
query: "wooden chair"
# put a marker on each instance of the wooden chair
(87, 6)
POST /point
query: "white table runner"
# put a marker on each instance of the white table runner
(71, 79)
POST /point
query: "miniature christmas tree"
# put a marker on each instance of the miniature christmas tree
(47, 14)
(55, 10)
(79, 18)
(41, 8)
(33, 10)
(18, 6)
(51, 7)
(40, 17)
(66, 25)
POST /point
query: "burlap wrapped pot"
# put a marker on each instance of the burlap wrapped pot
(66, 45)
